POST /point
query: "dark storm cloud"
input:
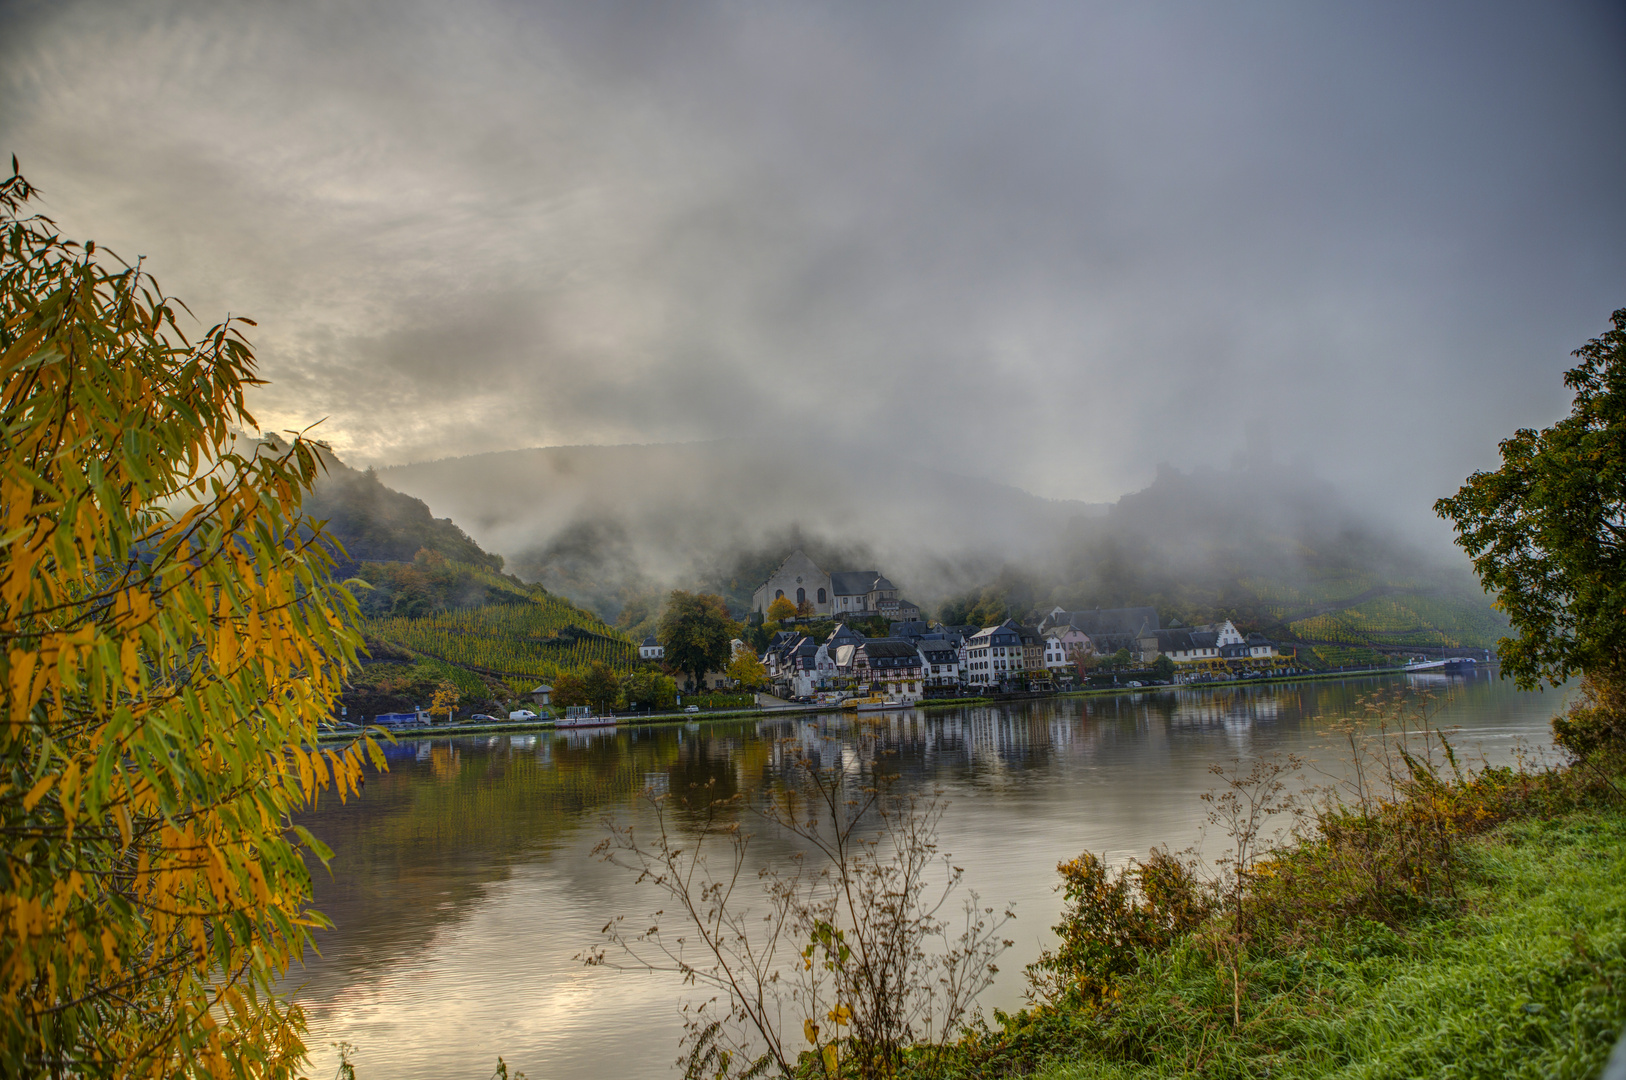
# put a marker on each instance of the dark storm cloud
(1064, 241)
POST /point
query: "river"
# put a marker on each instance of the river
(463, 884)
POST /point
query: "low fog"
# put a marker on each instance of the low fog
(608, 526)
(925, 280)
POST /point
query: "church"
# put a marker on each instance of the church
(845, 593)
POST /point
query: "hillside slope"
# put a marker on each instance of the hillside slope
(603, 523)
(437, 608)
(1280, 553)
(1269, 546)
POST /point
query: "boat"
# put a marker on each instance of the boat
(1454, 665)
(876, 704)
(580, 716)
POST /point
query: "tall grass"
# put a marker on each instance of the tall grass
(1421, 919)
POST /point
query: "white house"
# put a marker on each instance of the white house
(651, 649)
(940, 661)
(993, 654)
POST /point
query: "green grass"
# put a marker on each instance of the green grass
(1529, 981)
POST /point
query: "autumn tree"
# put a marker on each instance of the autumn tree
(172, 643)
(445, 700)
(570, 689)
(696, 630)
(781, 609)
(747, 670)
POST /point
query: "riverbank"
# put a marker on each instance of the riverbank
(516, 727)
(1490, 942)
(1529, 981)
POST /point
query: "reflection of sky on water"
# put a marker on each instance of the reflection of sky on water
(464, 885)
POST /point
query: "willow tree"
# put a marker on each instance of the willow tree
(172, 640)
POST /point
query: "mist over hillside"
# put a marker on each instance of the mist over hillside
(597, 522)
(611, 526)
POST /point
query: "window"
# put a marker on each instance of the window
(801, 597)
(821, 596)
(779, 594)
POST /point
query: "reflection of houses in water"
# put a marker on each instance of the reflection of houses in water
(1237, 707)
(990, 737)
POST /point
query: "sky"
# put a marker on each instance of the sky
(1052, 244)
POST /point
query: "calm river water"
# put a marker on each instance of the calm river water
(463, 882)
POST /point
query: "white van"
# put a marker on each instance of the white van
(522, 714)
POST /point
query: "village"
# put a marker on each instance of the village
(918, 659)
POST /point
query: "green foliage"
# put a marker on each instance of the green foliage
(696, 631)
(1547, 531)
(1163, 667)
(1430, 921)
(399, 686)
(649, 689)
(570, 688)
(1112, 918)
(172, 644)
(1513, 964)
(1596, 720)
(600, 686)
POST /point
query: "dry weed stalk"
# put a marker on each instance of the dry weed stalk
(850, 951)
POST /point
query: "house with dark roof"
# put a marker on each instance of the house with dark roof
(994, 655)
(939, 660)
(843, 594)
(1111, 629)
(1065, 646)
(651, 649)
(860, 592)
(890, 666)
(798, 669)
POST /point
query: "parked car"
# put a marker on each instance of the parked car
(483, 716)
(1133, 682)
(691, 708)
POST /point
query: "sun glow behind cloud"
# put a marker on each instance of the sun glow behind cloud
(926, 228)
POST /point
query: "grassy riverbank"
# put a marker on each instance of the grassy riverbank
(1448, 927)
(1530, 980)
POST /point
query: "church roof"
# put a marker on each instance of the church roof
(855, 582)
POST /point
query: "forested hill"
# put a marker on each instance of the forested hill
(378, 524)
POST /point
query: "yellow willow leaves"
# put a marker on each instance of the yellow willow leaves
(170, 644)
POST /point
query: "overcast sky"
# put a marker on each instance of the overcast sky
(1050, 243)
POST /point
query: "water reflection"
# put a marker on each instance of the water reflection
(463, 883)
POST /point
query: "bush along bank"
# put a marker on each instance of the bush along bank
(1421, 919)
